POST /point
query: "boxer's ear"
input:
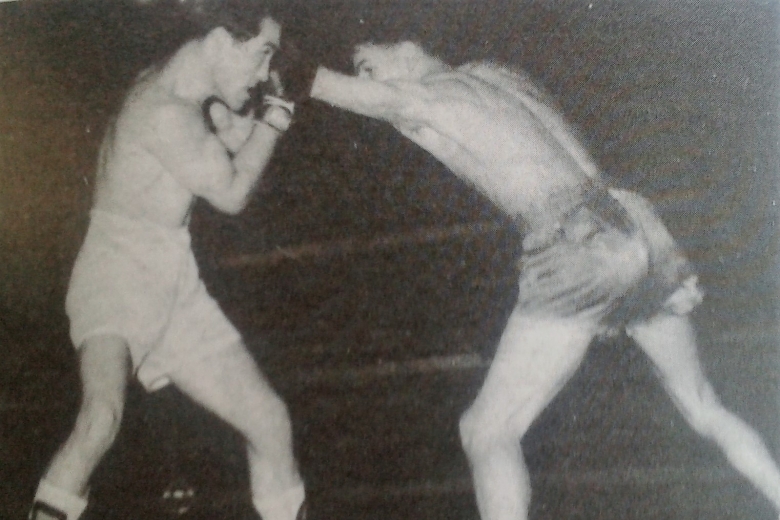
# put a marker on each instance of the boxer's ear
(410, 55)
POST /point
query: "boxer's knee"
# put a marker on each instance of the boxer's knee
(482, 433)
(266, 415)
(701, 409)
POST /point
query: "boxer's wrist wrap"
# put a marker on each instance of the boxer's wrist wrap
(277, 115)
(269, 100)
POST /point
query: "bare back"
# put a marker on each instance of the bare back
(492, 129)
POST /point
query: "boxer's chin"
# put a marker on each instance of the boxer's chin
(240, 104)
(238, 100)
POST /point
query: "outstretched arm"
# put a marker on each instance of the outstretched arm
(442, 114)
(389, 101)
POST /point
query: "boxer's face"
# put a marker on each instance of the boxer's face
(241, 65)
(387, 62)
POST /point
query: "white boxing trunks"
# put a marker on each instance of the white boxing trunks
(139, 281)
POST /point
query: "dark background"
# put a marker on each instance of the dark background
(360, 260)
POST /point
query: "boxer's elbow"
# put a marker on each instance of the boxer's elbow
(233, 207)
(222, 190)
(229, 194)
(228, 202)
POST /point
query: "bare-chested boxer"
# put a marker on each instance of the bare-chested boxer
(595, 258)
(136, 303)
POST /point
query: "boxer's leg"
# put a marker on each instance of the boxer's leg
(229, 384)
(104, 367)
(669, 340)
(535, 358)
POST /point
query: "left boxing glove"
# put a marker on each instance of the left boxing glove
(267, 107)
(277, 112)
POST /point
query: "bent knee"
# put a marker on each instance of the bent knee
(702, 410)
(267, 414)
(480, 433)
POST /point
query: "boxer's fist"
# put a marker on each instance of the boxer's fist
(266, 106)
(277, 110)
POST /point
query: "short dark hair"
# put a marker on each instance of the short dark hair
(173, 23)
(241, 18)
(382, 32)
(428, 25)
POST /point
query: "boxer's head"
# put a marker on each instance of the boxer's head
(236, 39)
(404, 60)
(240, 60)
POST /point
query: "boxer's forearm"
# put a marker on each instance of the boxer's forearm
(363, 96)
(249, 164)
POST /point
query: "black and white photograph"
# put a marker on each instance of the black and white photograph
(389, 260)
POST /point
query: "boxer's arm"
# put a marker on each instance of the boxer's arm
(200, 161)
(231, 128)
(389, 101)
(450, 108)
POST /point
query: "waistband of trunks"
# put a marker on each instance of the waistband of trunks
(606, 208)
(589, 201)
